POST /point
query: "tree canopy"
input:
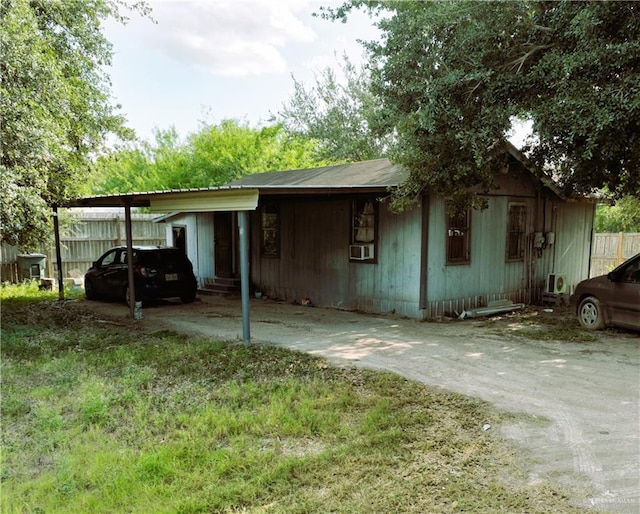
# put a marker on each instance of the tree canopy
(337, 113)
(55, 106)
(215, 155)
(451, 77)
(624, 216)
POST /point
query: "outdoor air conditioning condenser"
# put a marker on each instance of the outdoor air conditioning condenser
(557, 283)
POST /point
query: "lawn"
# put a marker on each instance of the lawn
(101, 416)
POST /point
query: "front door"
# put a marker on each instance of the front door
(223, 244)
(179, 234)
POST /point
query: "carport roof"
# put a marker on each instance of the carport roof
(366, 176)
(223, 198)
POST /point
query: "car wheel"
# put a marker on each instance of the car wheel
(590, 313)
(89, 290)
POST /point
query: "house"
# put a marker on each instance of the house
(328, 234)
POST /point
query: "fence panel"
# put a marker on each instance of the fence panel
(92, 234)
(86, 237)
(609, 249)
(8, 263)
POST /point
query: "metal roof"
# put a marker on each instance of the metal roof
(377, 173)
(374, 175)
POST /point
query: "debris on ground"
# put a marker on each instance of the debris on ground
(495, 307)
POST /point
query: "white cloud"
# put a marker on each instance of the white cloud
(229, 38)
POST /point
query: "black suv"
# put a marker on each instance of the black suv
(159, 271)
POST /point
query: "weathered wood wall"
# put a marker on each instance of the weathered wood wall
(200, 241)
(487, 277)
(572, 224)
(314, 259)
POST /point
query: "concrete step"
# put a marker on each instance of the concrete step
(221, 286)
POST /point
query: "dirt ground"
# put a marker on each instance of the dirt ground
(582, 399)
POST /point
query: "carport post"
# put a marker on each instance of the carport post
(243, 225)
(56, 232)
(131, 278)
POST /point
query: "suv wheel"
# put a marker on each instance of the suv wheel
(590, 313)
(89, 290)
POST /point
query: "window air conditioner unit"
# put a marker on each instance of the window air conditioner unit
(557, 283)
(361, 252)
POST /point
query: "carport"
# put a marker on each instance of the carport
(229, 199)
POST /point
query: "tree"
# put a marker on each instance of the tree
(624, 216)
(54, 106)
(451, 76)
(215, 155)
(338, 115)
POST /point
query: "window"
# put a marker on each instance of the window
(631, 273)
(516, 231)
(458, 231)
(363, 230)
(110, 258)
(270, 226)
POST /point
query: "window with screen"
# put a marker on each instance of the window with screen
(458, 238)
(363, 230)
(516, 231)
(270, 226)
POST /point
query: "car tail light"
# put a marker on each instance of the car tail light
(142, 271)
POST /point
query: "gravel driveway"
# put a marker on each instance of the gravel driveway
(585, 396)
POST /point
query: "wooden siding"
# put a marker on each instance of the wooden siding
(489, 276)
(453, 288)
(569, 255)
(8, 263)
(314, 259)
(199, 235)
(204, 259)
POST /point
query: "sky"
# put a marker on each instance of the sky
(209, 60)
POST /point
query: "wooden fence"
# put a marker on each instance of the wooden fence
(87, 237)
(609, 250)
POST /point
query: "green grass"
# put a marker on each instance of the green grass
(99, 417)
(29, 292)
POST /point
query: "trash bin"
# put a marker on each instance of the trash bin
(31, 266)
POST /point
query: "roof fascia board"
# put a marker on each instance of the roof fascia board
(206, 201)
(541, 176)
(115, 201)
(315, 190)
